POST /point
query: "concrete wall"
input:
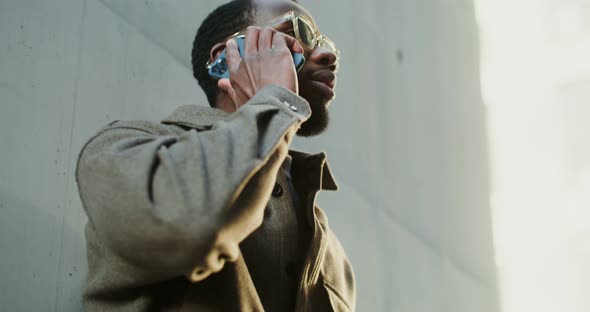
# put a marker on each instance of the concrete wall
(407, 141)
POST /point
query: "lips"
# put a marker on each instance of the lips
(323, 82)
(326, 77)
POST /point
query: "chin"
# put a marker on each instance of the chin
(319, 96)
(319, 119)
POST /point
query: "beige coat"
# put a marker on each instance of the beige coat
(156, 195)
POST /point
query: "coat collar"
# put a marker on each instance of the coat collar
(316, 166)
(202, 117)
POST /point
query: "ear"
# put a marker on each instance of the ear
(216, 50)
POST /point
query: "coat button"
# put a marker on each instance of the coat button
(291, 106)
(277, 190)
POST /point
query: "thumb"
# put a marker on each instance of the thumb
(224, 84)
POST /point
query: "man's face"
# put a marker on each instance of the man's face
(317, 77)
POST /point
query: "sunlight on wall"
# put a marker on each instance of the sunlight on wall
(535, 63)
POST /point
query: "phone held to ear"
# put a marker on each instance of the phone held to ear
(220, 70)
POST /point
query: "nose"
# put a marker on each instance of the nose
(324, 57)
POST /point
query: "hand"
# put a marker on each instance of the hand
(266, 60)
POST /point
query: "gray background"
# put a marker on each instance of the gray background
(407, 141)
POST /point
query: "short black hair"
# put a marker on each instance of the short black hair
(224, 21)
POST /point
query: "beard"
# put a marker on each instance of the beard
(317, 122)
(320, 118)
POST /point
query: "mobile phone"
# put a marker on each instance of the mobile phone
(220, 70)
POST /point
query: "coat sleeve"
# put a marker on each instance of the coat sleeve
(161, 202)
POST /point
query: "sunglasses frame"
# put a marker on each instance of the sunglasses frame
(294, 17)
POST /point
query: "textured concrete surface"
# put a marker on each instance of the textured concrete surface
(407, 141)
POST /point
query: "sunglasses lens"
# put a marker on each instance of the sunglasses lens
(306, 34)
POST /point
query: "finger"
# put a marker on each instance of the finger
(265, 38)
(224, 84)
(232, 56)
(251, 41)
(293, 44)
(278, 41)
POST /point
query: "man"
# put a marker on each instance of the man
(208, 210)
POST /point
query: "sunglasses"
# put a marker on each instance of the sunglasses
(298, 26)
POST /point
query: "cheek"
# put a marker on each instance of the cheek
(307, 55)
(307, 67)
